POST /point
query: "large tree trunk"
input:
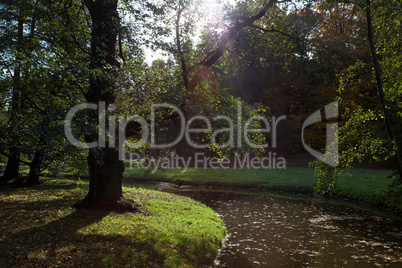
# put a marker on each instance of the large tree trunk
(12, 168)
(105, 178)
(105, 168)
(34, 171)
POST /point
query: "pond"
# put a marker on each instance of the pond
(266, 231)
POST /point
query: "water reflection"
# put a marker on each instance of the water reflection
(274, 232)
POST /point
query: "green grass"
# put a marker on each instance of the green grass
(293, 176)
(362, 184)
(38, 227)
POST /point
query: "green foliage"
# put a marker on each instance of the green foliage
(393, 197)
(43, 75)
(363, 136)
(326, 178)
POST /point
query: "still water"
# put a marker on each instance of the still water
(266, 231)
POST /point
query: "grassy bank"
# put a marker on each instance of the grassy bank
(366, 185)
(38, 227)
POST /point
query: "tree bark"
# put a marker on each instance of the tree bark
(12, 168)
(178, 44)
(105, 168)
(105, 178)
(378, 72)
(34, 171)
(13, 164)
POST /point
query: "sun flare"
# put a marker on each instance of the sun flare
(213, 10)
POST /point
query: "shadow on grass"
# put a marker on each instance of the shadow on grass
(60, 242)
(59, 203)
(44, 186)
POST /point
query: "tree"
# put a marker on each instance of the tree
(43, 79)
(12, 168)
(105, 168)
(381, 95)
(368, 132)
(378, 74)
(200, 63)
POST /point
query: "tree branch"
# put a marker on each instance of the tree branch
(121, 49)
(272, 30)
(232, 31)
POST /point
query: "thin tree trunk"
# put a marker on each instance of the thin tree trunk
(378, 72)
(179, 48)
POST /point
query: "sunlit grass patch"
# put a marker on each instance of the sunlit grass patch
(361, 184)
(39, 228)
